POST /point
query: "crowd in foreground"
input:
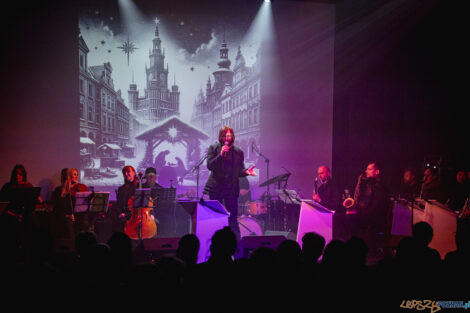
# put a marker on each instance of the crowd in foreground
(314, 277)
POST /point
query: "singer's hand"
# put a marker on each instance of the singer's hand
(251, 171)
(224, 150)
(316, 197)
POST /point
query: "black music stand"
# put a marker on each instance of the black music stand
(277, 179)
(168, 194)
(23, 200)
(142, 200)
(166, 204)
(88, 201)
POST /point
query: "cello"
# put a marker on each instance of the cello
(141, 224)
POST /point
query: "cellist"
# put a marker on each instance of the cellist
(124, 193)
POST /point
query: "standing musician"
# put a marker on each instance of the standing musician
(63, 201)
(371, 204)
(325, 192)
(124, 193)
(15, 216)
(18, 179)
(225, 161)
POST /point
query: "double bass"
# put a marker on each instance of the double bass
(141, 224)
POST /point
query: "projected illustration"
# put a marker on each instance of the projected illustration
(155, 90)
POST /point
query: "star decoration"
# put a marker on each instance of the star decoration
(172, 132)
(128, 48)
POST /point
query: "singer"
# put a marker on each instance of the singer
(225, 161)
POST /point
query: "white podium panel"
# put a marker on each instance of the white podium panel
(444, 223)
(442, 220)
(207, 217)
(315, 218)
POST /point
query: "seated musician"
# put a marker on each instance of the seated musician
(63, 202)
(151, 181)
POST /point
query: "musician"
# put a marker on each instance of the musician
(15, 221)
(63, 202)
(325, 191)
(151, 181)
(125, 192)
(410, 187)
(371, 204)
(432, 188)
(225, 162)
(459, 191)
(18, 179)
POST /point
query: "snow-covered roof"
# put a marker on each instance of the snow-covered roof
(111, 146)
(86, 141)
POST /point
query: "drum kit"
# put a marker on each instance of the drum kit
(265, 213)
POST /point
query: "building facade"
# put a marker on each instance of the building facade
(104, 117)
(233, 99)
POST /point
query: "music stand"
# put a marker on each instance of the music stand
(88, 201)
(23, 200)
(142, 198)
(168, 194)
(166, 200)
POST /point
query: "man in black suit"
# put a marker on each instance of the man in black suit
(225, 161)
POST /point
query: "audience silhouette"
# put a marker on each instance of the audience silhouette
(313, 276)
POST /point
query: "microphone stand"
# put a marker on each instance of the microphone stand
(196, 168)
(268, 195)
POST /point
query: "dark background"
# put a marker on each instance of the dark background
(399, 83)
(398, 87)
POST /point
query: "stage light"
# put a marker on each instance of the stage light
(130, 15)
(268, 1)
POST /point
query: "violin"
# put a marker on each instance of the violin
(77, 188)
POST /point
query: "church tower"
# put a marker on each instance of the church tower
(223, 76)
(159, 102)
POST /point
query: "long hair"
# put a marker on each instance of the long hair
(223, 130)
(125, 168)
(66, 180)
(21, 168)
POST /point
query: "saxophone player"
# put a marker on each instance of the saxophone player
(371, 204)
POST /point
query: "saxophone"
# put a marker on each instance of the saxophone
(348, 202)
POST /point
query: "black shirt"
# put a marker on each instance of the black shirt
(329, 195)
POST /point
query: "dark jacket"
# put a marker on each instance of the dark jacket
(215, 165)
(124, 193)
(371, 197)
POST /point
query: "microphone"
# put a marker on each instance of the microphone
(226, 144)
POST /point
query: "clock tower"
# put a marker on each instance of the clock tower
(156, 71)
(159, 102)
